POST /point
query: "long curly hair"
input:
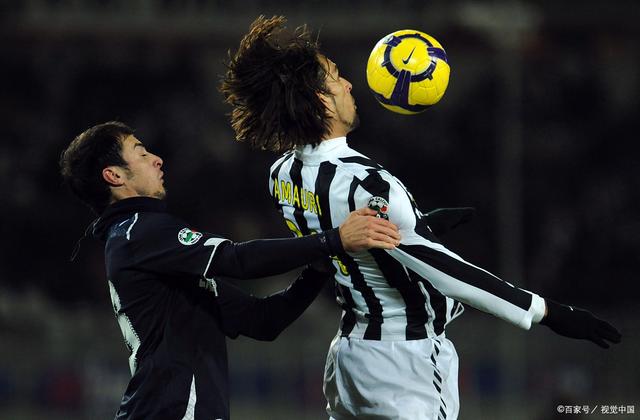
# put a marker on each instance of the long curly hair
(272, 83)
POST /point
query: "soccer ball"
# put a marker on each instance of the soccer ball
(408, 71)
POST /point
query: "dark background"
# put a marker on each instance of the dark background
(537, 131)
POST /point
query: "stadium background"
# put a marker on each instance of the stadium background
(538, 131)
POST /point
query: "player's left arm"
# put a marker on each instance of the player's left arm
(265, 318)
(427, 260)
(421, 252)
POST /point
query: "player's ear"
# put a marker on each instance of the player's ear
(113, 175)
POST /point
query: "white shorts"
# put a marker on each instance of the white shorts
(402, 380)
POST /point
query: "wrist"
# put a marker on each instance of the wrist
(550, 312)
(333, 241)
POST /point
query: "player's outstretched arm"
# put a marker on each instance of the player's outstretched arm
(267, 257)
(573, 322)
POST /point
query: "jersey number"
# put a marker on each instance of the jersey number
(296, 231)
(131, 338)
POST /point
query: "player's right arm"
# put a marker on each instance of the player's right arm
(265, 257)
(166, 245)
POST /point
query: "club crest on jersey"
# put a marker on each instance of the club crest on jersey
(380, 205)
(187, 236)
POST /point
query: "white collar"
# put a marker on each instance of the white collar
(326, 149)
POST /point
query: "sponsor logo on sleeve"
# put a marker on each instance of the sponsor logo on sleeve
(380, 205)
(187, 236)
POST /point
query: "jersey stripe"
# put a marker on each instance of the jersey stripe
(437, 301)
(190, 412)
(296, 179)
(361, 160)
(348, 321)
(352, 192)
(375, 185)
(326, 173)
(274, 177)
(373, 331)
(394, 272)
(472, 275)
(135, 219)
(414, 300)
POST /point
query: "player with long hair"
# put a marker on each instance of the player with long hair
(390, 358)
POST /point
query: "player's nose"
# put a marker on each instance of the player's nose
(157, 161)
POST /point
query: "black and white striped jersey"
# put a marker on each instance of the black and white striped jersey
(408, 293)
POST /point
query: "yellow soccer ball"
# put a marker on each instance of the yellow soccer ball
(408, 71)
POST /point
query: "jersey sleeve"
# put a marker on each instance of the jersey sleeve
(265, 318)
(267, 257)
(167, 245)
(421, 252)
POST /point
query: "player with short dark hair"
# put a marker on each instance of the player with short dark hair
(170, 284)
(390, 358)
(98, 147)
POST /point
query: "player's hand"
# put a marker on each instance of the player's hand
(363, 230)
(578, 323)
(443, 220)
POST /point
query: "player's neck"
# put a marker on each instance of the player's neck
(335, 132)
(330, 139)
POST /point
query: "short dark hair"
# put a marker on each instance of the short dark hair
(82, 162)
(272, 82)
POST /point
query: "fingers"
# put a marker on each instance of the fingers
(609, 332)
(600, 342)
(392, 238)
(605, 331)
(365, 211)
(381, 222)
(387, 229)
(362, 231)
(381, 245)
(381, 229)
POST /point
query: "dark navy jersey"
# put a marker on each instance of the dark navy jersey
(175, 308)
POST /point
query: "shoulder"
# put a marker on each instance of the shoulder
(150, 226)
(275, 167)
(369, 173)
(377, 188)
(356, 164)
